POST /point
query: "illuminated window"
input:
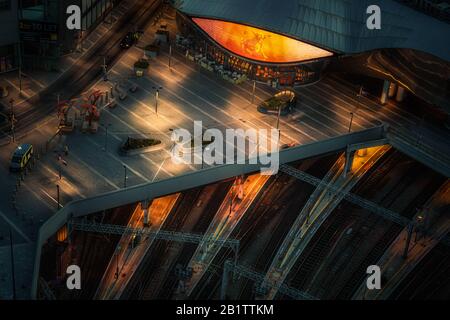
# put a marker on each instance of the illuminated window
(257, 44)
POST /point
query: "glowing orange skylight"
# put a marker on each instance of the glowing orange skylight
(257, 44)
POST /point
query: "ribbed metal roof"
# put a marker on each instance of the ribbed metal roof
(337, 25)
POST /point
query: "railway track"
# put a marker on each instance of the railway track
(263, 213)
(93, 253)
(300, 192)
(174, 221)
(351, 225)
(430, 278)
(145, 281)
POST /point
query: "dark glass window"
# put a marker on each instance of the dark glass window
(5, 5)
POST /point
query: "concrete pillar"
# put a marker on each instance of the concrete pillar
(392, 90)
(385, 92)
(349, 156)
(400, 94)
(225, 279)
(145, 207)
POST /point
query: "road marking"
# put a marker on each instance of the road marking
(16, 228)
(40, 84)
(282, 121)
(71, 187)
(39, 198)
(95, 171)
(200, 110)
(49, 196)
(137, 131)
(18, 89)
(121, 162)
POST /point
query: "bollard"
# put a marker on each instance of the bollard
(21, 176)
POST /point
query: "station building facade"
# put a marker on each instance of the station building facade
(9, 36)
(259, 54)
(43, 32)
(292, 42)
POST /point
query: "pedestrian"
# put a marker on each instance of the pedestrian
(66, 150)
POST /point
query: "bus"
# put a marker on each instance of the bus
(21, 157)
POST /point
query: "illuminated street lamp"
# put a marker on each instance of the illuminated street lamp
(157, 97)
(104, 68)
(106, 126)
(253, 91)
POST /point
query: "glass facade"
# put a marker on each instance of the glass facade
(257, 44)
(93, 10)
(7, 58)
(288, 73)
(44, 35)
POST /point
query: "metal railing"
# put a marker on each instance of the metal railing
(258, 278)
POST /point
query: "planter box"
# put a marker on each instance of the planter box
(162, 35)
(151, 53)
(135, 152)
(139, 71)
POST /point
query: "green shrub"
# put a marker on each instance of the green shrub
(133, 144)
(141, 64)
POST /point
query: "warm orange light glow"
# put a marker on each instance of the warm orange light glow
(257, 44)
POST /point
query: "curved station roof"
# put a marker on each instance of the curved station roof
(334, 25)
(257, 44)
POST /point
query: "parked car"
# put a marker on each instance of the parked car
(285, 101)
(129, 40)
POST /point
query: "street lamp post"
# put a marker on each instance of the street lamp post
(278, 123)
(13, 118)
(13, 275)
(157, 98)
(253, 91)
(105, 71)
(359, 95)
(116, 275)
(351, 122)
(106, 136)
(125, 176)
(231, 198)
(170, 56)
(57, 196)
